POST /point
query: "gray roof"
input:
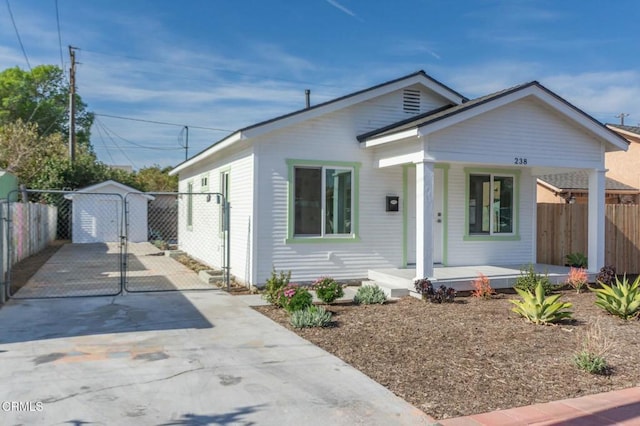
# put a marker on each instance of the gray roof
(631, 129)
(579, 181)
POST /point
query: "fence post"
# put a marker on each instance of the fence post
(227, 226)
(3, 281)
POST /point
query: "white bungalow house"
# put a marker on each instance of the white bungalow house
(408, 176)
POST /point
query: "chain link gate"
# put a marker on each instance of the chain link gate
(63, 244)
(75, 244)
(182, 246)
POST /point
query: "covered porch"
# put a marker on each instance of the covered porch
(398, 282)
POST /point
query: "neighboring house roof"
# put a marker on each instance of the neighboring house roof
(631, 133)
(429, 123)
(96, 189)
(325, 107)
(579, 182)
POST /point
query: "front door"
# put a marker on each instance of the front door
(438, 215)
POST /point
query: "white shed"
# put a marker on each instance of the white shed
(98, 213)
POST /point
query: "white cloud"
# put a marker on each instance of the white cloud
(343, 8)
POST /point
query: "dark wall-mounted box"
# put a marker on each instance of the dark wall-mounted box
(393, 203)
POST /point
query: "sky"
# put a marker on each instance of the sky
(209, 67)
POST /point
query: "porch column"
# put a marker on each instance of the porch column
(596, 219)
(424, 219)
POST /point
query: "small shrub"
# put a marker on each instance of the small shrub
(621, 299)
(274, 284)
(294, 298)
(424, 287)
(594, 346)
(577, 279)
(576, 260)
(590, 362)
(529, 280)
(312, 316)
(607, 275)
(327, 289)
(540, 309)
(369, 295)
(482, 287)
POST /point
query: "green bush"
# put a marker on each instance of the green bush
(590, 362)
(539, 309)
(294, 298)
(327, 289)
(274, 285)
(577, 260)
(312, 316)
(369, 295)
(621, 299)
(529, 280)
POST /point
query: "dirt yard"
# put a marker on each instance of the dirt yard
(474, 355)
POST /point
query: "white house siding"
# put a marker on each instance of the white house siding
(384, 110)
(204, 241)
(329, 138)
(524, 130)
(461, 252)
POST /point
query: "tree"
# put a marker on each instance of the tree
(156, 179)
(41, 96)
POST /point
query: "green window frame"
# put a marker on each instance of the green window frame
(323, 201)
(189, 205)
(492, 199)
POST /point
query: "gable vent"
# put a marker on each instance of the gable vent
(411, 101)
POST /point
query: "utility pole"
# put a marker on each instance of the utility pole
(621, 116)
(186, 143)
(72, 104)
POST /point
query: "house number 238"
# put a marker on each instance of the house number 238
(519, 160)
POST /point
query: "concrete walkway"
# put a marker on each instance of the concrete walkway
(198, 358)
(612, 408)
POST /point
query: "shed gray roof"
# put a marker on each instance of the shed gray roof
(579, 181)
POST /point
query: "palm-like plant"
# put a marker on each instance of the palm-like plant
(540, 309)
(621, 299)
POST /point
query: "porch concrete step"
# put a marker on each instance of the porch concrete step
(390, 290)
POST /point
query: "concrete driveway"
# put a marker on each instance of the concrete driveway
(198, 358)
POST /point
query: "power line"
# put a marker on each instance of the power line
(118, 146)
(155, 148)
(15, 27)
(59, 36)
(105, 145)
(161, 122)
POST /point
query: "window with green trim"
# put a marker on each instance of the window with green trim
(204, 182)
(491, 204)
(323, 203)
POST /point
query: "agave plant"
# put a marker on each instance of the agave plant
(621, 299)
(540, 309)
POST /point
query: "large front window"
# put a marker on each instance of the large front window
(323, 203)
(491, 204)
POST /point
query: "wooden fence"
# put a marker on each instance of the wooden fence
(563, 229)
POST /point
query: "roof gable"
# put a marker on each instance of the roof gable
(314, 111)
(102, 188)
(439, 120)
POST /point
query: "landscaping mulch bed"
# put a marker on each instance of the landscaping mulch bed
(474, 355)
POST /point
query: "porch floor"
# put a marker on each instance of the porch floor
(399, 281)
